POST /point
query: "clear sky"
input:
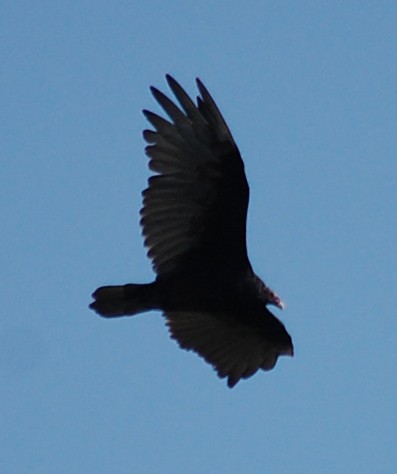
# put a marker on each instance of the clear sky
(309, 90)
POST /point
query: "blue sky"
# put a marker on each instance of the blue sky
(309, 91)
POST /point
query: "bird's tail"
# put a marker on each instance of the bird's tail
(126, 300)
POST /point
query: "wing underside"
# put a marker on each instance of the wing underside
(196, 204)
(235, 351)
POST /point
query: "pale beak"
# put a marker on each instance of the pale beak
(280, 305)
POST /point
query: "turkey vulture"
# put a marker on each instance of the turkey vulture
(194, 224)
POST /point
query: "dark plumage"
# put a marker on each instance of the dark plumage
(194, 223)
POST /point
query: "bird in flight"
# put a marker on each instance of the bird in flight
(194, 225)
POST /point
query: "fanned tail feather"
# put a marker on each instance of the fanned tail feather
(126, 300)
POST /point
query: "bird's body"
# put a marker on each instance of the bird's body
(194, 223)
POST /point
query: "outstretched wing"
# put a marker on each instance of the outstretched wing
(195, 208)
(235, 350)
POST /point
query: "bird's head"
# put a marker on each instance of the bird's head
(274, 299)
(268, 295)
